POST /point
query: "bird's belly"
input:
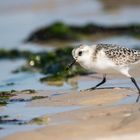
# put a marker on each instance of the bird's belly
(100, 68)
(106, 70)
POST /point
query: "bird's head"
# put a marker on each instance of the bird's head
(81, 54)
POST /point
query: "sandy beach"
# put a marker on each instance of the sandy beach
(105, 113)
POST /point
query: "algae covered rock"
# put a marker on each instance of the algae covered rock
(39, 120)
(5, 96)
(54, 64)
(56, 31)
(63, 32)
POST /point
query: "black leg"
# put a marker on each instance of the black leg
(135, 83)
(102, 82)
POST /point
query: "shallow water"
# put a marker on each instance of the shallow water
(24, 113)
(23, 80)
(113, 82)
(128, 100)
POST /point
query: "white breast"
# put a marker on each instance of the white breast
(103, 64)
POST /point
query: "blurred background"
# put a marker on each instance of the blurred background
(20, 19)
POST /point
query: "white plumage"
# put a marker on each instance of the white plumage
(108, 59)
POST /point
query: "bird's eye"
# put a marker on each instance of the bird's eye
(80, 53)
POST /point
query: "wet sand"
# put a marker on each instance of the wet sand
(105, 113)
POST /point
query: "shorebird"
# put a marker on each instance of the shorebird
(107, 59)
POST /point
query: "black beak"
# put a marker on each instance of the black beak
(71, 64)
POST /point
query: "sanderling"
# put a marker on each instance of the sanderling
(107, 59)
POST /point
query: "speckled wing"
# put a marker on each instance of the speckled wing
(120, 55)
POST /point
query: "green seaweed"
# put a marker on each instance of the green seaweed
(12, 54)
(3, 102)
(5, 119)
(64, 32)
(56, 80)
(52, 64)
(4, 97)
(57, 31)
(39, 120)
(38, 97)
